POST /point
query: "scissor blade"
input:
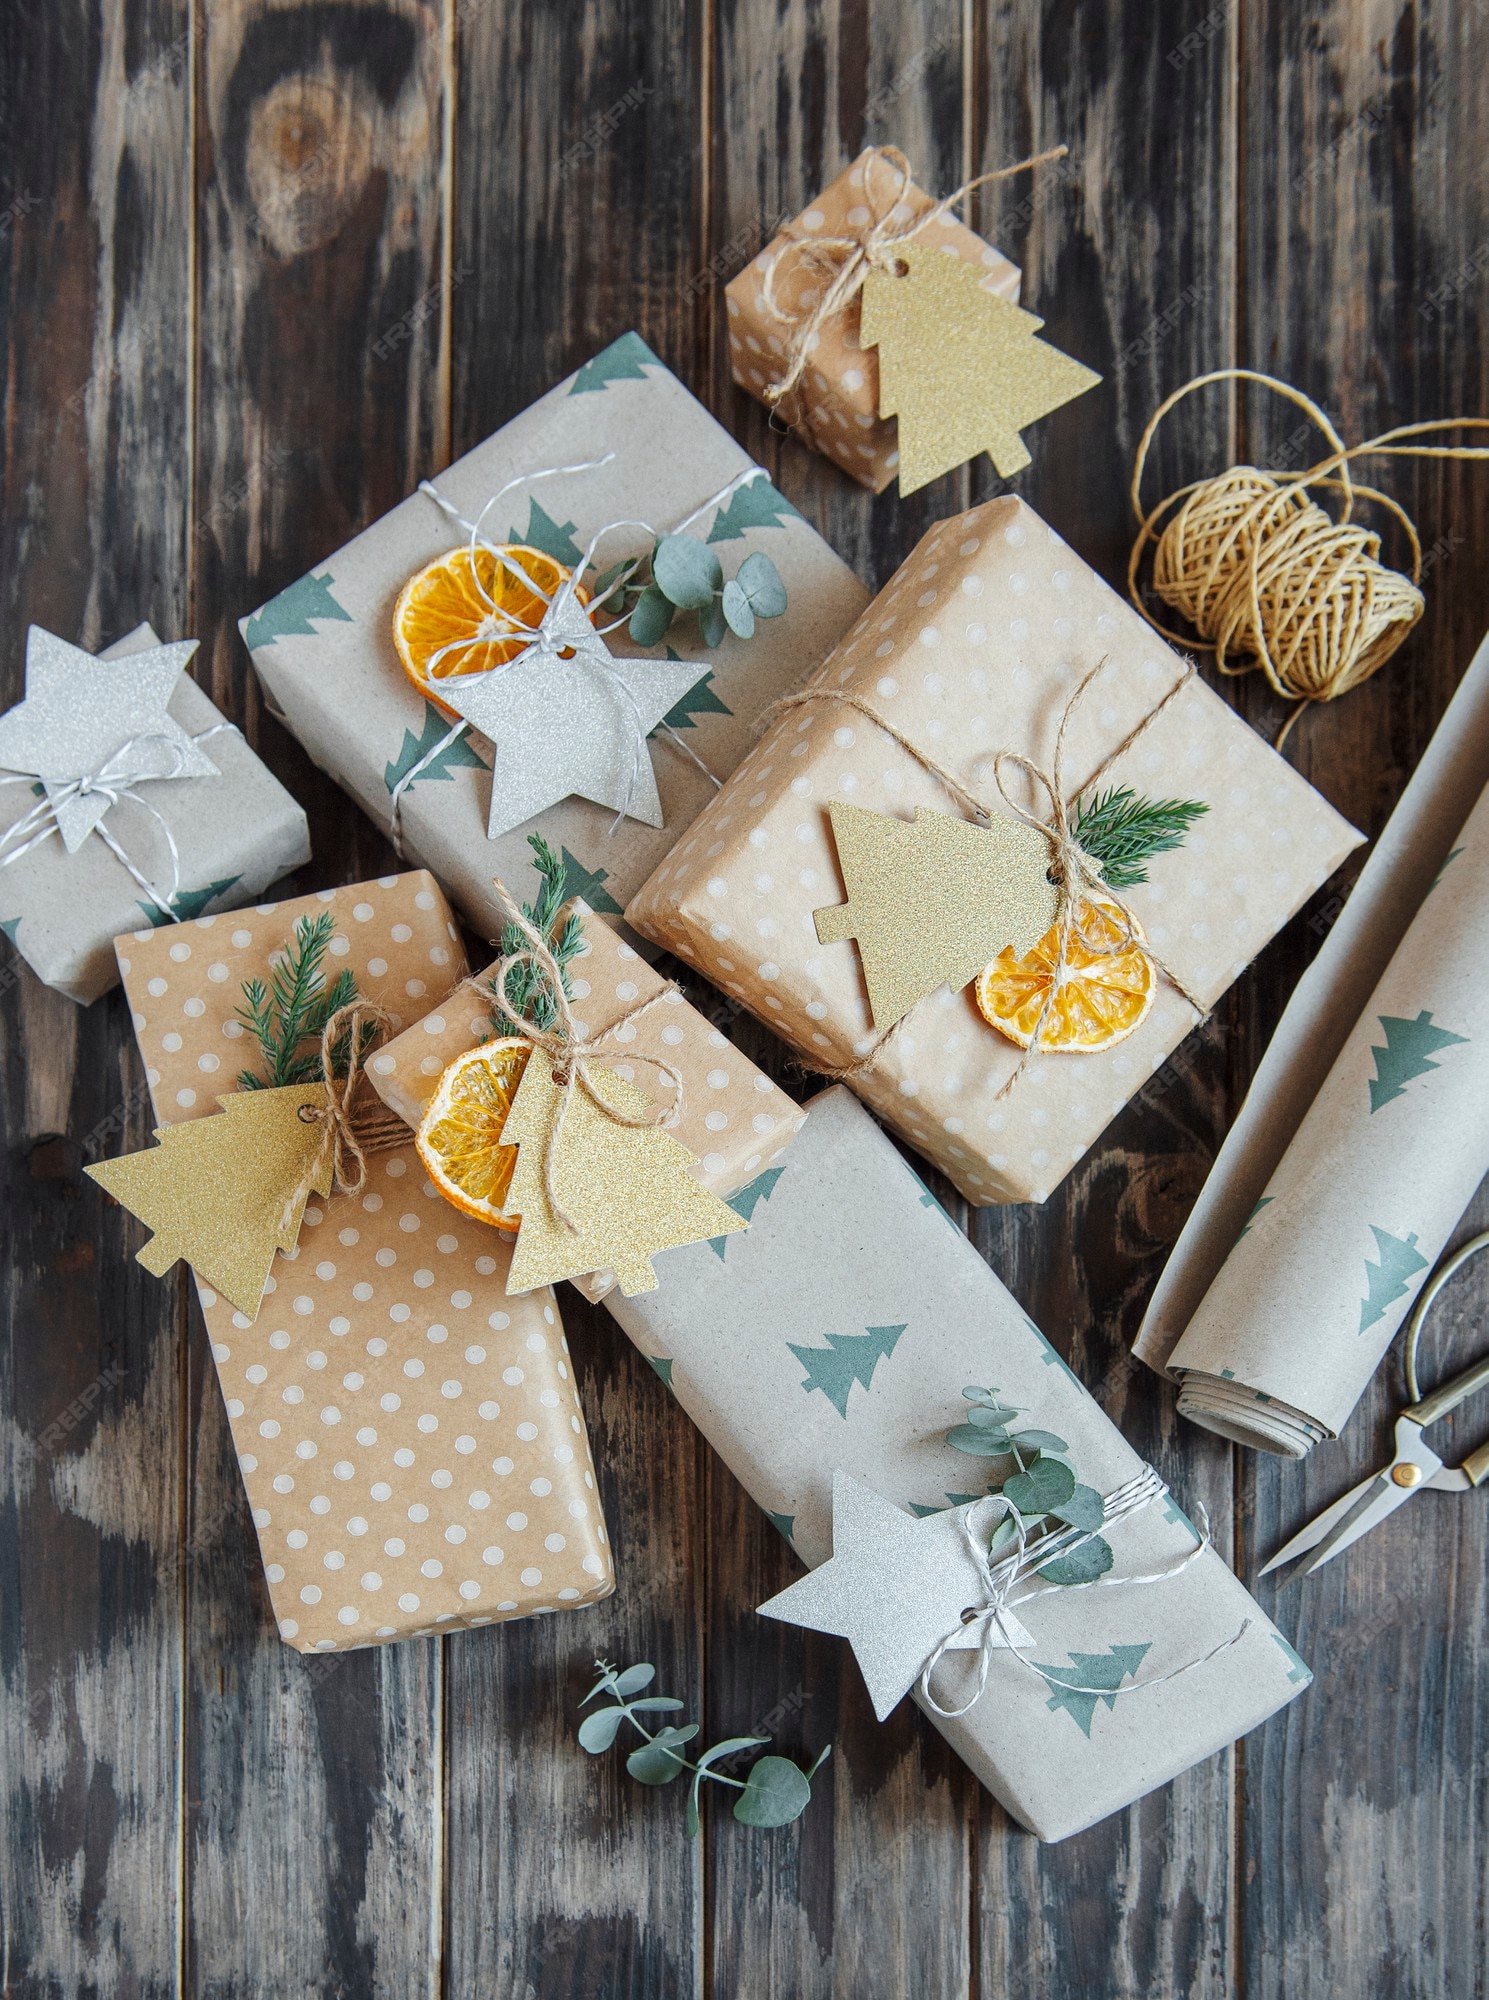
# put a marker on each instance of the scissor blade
(1383, 1497)
(1310, 1537)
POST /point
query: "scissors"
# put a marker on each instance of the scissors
(1415, 1465)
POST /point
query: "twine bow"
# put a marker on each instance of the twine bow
(134, 763)
(844, 262)
(1001, 1580)
(354, 1121)
(570, 1051)
(1076, 877)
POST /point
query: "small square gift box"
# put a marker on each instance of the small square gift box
(726, 1124)
(997, 860)
(124, 794)
(863, 1373)
(572, 630)
(889, 336)
(409, 1435)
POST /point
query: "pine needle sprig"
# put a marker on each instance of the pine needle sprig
(1121, 831)
(294, 1008)
(529, 990)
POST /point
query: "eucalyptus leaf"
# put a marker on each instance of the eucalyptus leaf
(1004, 1539)
(737, 613)
(687, 571)
(1045, 1485)
(1040, 1441)
(653, 613)
(633, 1679)
(598, 1731)
(1083, 1565)
(653, 1763)
(658, 1702)
(978, 1443)
(776, 1792)
(1084, 1509)
(711, 622)
(990, 1416)
(728, 1747)
(760, 581)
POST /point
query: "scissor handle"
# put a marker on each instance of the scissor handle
(1425, 1410)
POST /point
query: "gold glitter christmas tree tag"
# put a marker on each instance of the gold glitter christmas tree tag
(933, 900)
(628, 1189)
(961, 368)
(227, 1191)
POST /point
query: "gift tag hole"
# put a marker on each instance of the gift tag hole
(970, 1615)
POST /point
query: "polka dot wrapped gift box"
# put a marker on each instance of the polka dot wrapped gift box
(410, 1436)
(989, 639)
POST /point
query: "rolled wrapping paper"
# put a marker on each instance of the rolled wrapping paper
(1365, 1197)
(838, 1332)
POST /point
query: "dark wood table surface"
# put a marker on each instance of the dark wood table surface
(209, 222)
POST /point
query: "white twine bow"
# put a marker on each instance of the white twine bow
(1000, 1582)
(559, 637)
(115, 780)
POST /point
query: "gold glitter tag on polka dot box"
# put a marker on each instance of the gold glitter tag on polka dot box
(837, 408)
(734, 1121)
(409, 1436)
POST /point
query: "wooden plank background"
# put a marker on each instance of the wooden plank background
(209, 216)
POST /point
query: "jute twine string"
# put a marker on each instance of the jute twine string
(842, 263)
(1076, 877)
(354, 1121)
(570, 1052)
(1269, 579)
(1000, 1581)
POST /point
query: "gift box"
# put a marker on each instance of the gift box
(233, 835)
(978, 646)
(733, 1119)
(1364, 1137)
(325, 650)
(835, 405)
(837, 1336)
(410, 1437)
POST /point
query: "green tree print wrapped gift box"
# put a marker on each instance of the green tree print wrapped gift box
(838, 1333)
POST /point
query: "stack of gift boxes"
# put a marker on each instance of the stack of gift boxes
(408, 1429)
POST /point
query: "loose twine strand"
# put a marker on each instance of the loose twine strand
(1076, 877)
(1000, 1581)
(843, 262)
(570, 1051)
(1266, 577)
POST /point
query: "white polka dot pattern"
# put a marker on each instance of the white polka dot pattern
(389, 1404)
(733, 1120)
(967, 687)
(841, 386)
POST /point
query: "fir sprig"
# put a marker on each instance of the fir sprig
(1121, 830)
(1033, 1477)
(294, 1008)
(773, 1792)
(529, 990)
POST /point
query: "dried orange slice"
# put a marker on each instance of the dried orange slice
(1102, 999)
(459, 1136)
(444, 624)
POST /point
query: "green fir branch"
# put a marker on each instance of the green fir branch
(294, 1008)
(1121, 831)
(529, 991)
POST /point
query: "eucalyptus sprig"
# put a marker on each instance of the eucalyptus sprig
(682, 573)
(1038, 1484)
(294, 1007)
(529, 990)
(1121, 830)
(774, 1792)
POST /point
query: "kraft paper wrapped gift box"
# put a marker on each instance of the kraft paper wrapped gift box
(235, 834)
(410, 1437)
(835, 405)
(838, 1334)
(324, 648)
(734, 1120)
(975, 647)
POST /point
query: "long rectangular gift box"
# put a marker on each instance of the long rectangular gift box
(732, 1119)
(1363, 1138)
(410, 1437)
(993, 637)
(837, 1336)
(325, 650)
(772, 305)
(225, 838)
